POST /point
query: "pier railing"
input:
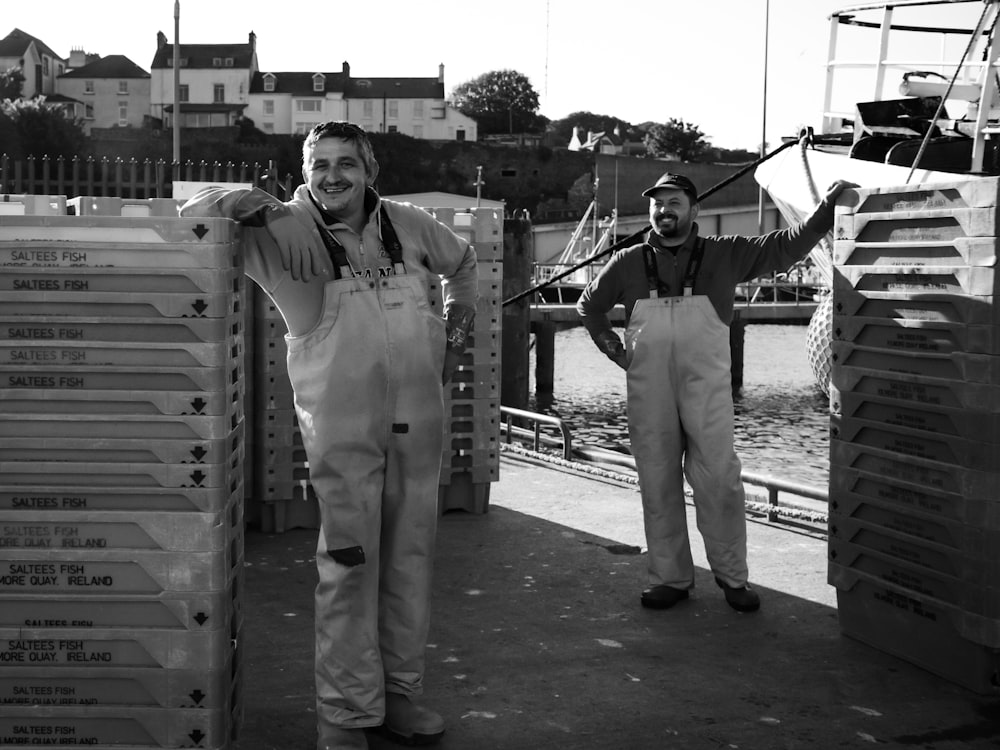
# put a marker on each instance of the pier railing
(775, 510)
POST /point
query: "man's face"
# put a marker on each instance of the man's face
(336, 176)
(671, 214)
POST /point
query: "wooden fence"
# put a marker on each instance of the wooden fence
(129, 179)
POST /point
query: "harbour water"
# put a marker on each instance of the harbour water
(782, 418)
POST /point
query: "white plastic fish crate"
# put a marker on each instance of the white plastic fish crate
(936, 636)
(14, 204)
(122, 475)
(122, 728)
(936, 421)
(99, 378)
(153, 688)
(82, 496)
(85, 280)
(76, 243)
(88, 205)
(56, 531)
(120, 354)
(848, 487)
(915, 389)
(931, 307)
(227, 403)
(974, 281)
(955, 367)
(119, 573)
(119, 426)
(51, 329)
(195, 610)
(949, 450)
(964, 193)
(920, 473)
(917, 226)
(917, 336)
(122, 304)
(962, 251)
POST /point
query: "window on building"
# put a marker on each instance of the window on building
(392, 108)
(319, 82)
(267, 127)
(219, 93)
(368, 109)
(88, 87)
(418, 109)
(122, 87)
(45, 65)
(393, 129)
(229, 62)
(123, 113)
(308, 105)
(269, 83)
(418, 131)
(216, 62)
(88, 112)
(269, 107)
(183, 92)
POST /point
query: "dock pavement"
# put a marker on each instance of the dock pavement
(538, 641)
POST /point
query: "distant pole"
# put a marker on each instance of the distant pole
(177, 82)
(479, 186)
(763, 119)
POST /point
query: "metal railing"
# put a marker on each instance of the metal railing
(773, 485)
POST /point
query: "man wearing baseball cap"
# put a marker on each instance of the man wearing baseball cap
(678, 289)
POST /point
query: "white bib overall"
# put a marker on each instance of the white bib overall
(368, 397)
(680, 413)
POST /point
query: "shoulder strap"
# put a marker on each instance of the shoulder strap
(693, 266)
(655, 283)
(391, 241)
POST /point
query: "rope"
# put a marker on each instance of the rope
(635, 236)
(822, 254)
(968, 49)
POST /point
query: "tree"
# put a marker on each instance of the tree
(501, 101)
(678, 139)
(11, 81)
(30, 127)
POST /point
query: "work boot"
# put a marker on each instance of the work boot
(409, 723)
(338, 738)
(741, 598)
(662, 597)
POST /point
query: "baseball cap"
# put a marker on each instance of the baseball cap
(670, 180)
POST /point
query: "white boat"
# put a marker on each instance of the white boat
(890, 119)
(895, 117)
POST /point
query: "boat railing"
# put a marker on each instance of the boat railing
(798, 284)
(963, 78)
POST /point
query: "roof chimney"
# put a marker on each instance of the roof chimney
(161, 39)
(441, 73)
(346, 69)
(253, 42)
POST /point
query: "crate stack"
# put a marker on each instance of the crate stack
(121, 477)
(471, 456)
(283, 495)
(914, 538)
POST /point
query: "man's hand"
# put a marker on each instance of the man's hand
(609, 343)
(302, 252)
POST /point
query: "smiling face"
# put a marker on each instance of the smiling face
(337, 176)
(672, 215)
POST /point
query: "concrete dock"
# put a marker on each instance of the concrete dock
(538, 640)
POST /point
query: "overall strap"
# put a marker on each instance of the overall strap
(656, 284)
(341, 265)
(391, 242)
(693, 266)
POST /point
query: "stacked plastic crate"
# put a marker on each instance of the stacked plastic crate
(283, 496)
(121, 478)
(914, 518)
(471, 455)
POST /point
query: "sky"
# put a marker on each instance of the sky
(701, 61)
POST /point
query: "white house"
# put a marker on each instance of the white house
(39, 64)
(108, 92)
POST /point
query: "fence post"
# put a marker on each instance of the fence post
(30, 186)
(75, 171)
(89, 180)
(61, 175)
(4, 172)
(45, 175)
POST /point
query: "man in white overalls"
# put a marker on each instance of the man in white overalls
(678, 290)
(351, 275)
